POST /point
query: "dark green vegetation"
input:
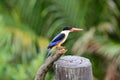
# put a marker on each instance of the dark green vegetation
(27, 26)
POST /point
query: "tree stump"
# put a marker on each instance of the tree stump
(73, 68)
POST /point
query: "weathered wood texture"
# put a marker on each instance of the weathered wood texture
(73, 68)
(41, 73)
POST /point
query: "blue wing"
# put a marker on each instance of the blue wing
(56, 40)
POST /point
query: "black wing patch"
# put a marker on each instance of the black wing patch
(56, 40)
(59, 37)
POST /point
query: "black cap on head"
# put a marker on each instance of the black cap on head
(67, 28)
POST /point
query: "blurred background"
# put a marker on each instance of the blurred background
(27, 26)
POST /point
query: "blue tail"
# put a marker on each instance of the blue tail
(49, 52)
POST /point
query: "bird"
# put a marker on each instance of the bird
(58, 40)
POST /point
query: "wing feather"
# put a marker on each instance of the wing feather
(56, 40)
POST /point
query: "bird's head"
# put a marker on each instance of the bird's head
(72, 29)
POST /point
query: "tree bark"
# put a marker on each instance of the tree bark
(73, 68)
(41, 73)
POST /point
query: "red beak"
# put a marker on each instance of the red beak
(75, 29)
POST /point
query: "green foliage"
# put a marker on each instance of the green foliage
(13, 65)
(26, 26)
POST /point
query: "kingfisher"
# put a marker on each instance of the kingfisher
(61, 38)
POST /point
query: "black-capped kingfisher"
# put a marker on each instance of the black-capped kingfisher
(61, 38)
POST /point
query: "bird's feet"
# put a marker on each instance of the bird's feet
(61, 49)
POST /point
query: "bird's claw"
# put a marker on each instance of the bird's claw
(61, 49)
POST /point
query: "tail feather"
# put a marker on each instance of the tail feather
(49, 52)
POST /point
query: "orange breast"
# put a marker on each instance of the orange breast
(59, 44)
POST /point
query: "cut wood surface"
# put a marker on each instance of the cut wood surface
(73, 68)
